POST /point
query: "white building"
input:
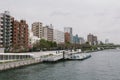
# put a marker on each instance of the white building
(6, 57)
(82, 40)
(106, 41)
(32, 39)
(58, 36)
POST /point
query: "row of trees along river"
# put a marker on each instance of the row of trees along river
(49, 45)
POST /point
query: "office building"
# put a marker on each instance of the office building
(82, 40)
(58, 36)
(76, 39)
(69, 30)
(106, 41)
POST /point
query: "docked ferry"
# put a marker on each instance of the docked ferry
(79, 56)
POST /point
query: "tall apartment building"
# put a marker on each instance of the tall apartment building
(5, 30)
(48, 33)
(37, 29)
(69, 30)
(58, 36)
(20, 34)
(92, 39)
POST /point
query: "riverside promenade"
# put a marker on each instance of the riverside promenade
(16, 64)
(37, 57)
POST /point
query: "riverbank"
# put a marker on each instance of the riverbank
(16, 64)
(37, 58)
(103, 65)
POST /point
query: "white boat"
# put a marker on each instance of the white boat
(79, 56)
(117, 48)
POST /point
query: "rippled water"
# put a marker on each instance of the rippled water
(103, 65)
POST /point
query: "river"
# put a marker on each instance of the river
(103, 65)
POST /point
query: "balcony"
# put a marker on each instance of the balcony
(1, 41)
(1, 32)
(1, 36)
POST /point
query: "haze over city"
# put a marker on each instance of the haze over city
(99, 17)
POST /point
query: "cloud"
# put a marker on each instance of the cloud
(59, 13)
(100, 17)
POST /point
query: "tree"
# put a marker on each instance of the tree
(45, 45)
(67, 45)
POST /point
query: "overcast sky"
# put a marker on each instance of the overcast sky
(99, 17)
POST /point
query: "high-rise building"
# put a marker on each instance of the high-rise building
(37, 29)
(58, 36)
(76, 39)
(106, 41)
(67, 37)
(82, 41)
(92, 39)
(95, 41)
(48, 33)
(69, 30)
(5, 30)
(20, 34)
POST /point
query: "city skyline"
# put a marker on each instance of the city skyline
(100, 18)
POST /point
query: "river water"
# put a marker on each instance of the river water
(103, 65)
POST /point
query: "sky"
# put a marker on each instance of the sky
(99, 17)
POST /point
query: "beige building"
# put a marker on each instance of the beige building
(48, 33)
(37, 29)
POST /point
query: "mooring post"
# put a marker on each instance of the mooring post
(63, 54)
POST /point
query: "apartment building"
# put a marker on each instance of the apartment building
(37, 29)
(5, 30)
(48, 33)
(92, 39)
(20, 34)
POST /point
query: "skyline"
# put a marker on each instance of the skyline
(101, 17)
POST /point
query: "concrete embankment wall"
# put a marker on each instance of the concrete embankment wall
(12, 65)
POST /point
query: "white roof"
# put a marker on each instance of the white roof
(16, 54)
